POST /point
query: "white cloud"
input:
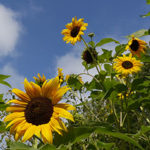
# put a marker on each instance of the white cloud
(16, 80)
(10, 30)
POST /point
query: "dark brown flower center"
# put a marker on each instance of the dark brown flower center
(127, 64)
(135, 45)
(87, 57)
(39, 111)
(75, 31)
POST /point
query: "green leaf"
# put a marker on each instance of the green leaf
(48, 147)
(73, 135)
(106, 146)
(120, 88)
(148, 2)
(74, 82)
(3, 77)
(146, 15)
(2, 127)
(119, 49)
(105, 41)
(106, 57)
(108, 68)
(122, 136)
(139, 33)
(92, 43)
(19, 146)
(5, 83)
(136, 83)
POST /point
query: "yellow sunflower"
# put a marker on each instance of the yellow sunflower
(39, 80)
(136, 46)
(74, 30)
(127, 65)
(37, 111)
(60, 75)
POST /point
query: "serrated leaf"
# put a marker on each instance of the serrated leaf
(139, 33)
(105, 41)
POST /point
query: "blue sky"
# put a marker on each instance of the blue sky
(31, 40)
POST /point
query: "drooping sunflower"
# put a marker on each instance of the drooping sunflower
(74, 30)
(37, 111)
(87, 55)
(136, 46)
(127, 65)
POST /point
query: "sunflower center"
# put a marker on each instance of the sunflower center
(39, 111)
(75, 31)
(127, 64)
(135, 45)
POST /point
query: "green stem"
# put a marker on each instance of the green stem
(35, 143)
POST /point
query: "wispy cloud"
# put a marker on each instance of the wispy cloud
(10, 30)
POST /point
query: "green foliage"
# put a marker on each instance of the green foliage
(139, 33)
(106, 41)
(148, 2)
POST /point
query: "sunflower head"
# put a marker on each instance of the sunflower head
(39, 80)
(74, 30)
(60, 75)
(127, 65)
(136, 46)
(87, 57)
(37, 111)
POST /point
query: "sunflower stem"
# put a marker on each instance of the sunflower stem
(35, 142)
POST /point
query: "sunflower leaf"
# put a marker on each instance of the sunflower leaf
(48, 147)
(146, 15)
(3, 77)
(148, 2)
(5, 83)
(139, 33)
(105, 41)
(19, 145)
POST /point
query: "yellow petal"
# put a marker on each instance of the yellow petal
(65, 106)
(15, 101)
(63, 113)
(15, 109)
(29, 89)
(17, 120)
(21, 95)
(59, 94)
(47, 133)
(13, 116)
(29, 133)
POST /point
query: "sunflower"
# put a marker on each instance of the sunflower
(136, 46)
(127, 65)
(74, 30)
(87, 57)
(60, 75)
(39, 80)
(37, 111)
